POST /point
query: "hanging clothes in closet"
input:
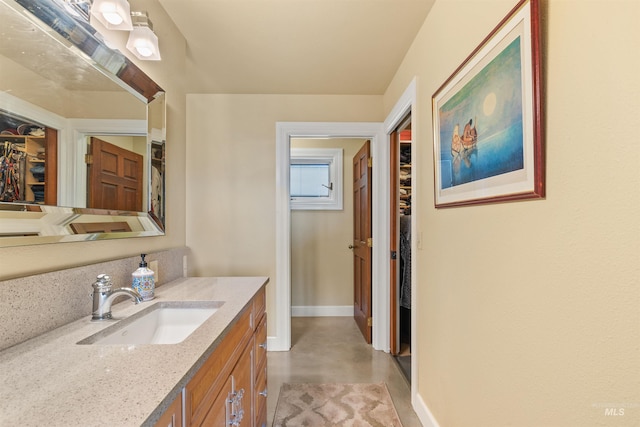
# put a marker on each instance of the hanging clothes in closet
(405, 261)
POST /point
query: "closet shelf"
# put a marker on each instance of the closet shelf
(405, 172)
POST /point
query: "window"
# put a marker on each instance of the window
(311, 180)
(316, 178)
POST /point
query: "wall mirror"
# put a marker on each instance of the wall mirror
(82, 132)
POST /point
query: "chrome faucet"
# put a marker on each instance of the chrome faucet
(103, 297)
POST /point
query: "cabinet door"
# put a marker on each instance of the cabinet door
(209, 382)
(242, 377)
(232, 407)
(173, 415)
(218, 410)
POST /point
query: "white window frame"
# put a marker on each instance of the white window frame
(330, 156)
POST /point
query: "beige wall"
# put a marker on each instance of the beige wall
(21, 261)
(231, 175)
(540, 325)
(321, 261)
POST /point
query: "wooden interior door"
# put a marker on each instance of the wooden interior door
(398, 317)
(362, 240)
(51, 168)
(115, 177)
(394, 243)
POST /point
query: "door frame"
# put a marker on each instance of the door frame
(380, 182)
(406, 104)
(378, 133)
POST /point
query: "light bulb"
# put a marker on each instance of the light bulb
(113, 18)
(145, 51)
(113, 14)
(143, 43)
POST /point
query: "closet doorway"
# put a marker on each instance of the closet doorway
(400, 243)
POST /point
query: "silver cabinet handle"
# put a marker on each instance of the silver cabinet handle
(263, 393)
(233, 408)
(263, 345)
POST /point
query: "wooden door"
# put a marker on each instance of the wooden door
(115, 177)
(394, 243)
(362, 240)
(51, 167)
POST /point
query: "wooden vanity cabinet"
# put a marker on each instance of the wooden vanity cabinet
(230, 381)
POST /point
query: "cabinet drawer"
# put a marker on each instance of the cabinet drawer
(259, 306)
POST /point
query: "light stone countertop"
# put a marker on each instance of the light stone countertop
(50, 380)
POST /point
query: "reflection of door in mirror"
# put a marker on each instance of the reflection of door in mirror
(115, 177)
(28, 161)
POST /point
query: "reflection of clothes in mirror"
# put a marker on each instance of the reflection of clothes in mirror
(12, 165)
(405, 261)
(156, 191)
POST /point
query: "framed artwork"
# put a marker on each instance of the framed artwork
(487, 118)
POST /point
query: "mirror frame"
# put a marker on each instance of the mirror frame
(17, 219)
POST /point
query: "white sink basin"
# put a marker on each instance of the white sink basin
(162, 323)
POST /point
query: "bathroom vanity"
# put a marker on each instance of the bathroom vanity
(214, 376)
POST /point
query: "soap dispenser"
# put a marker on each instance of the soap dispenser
(143, 280)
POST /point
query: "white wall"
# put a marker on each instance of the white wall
(539, 326)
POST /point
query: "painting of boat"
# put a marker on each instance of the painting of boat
(463, 144)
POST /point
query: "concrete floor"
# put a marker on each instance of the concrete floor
(332, 350)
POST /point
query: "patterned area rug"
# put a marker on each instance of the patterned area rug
(320, 405)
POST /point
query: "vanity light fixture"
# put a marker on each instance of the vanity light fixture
(143, 42)
(113, 14)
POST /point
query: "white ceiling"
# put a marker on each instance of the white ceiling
(295, 46)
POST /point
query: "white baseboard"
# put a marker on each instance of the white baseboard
(275, 344)
(424, 414)
(322, 311)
